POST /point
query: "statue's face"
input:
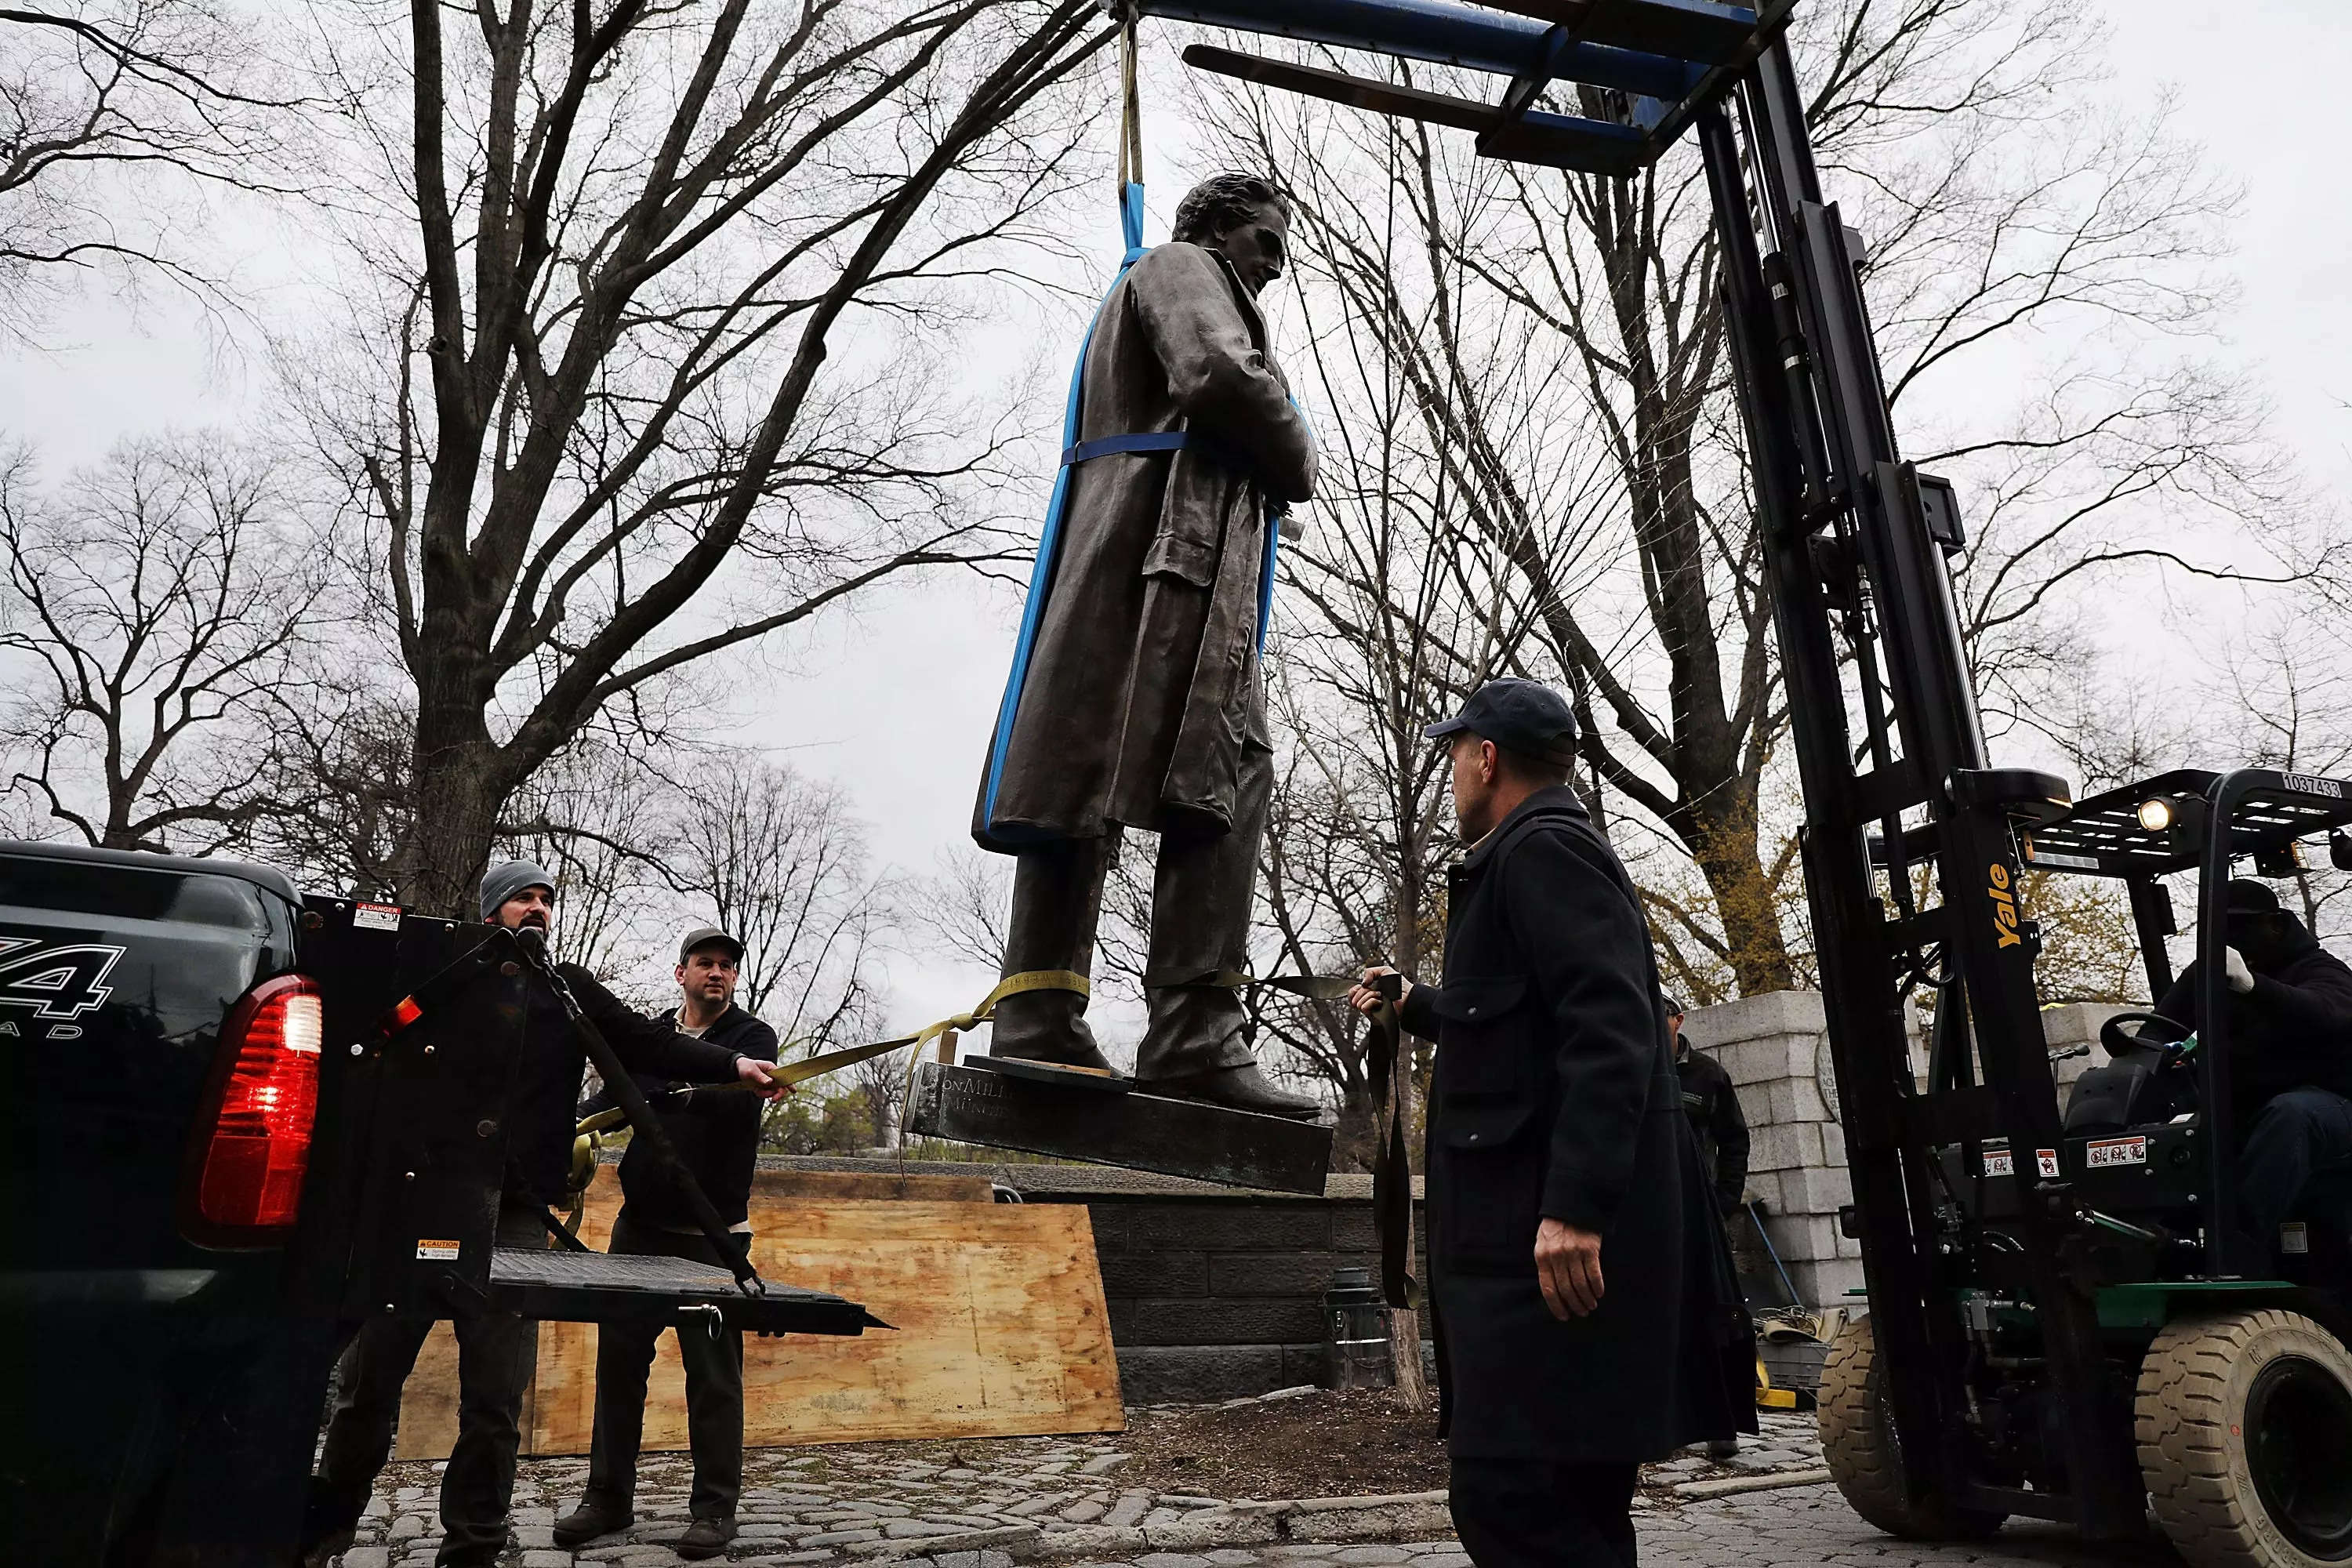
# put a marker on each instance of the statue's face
(1258, 246)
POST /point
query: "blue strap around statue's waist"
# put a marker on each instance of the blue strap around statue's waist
(1147, 441)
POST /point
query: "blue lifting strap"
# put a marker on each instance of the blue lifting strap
(1147, 441)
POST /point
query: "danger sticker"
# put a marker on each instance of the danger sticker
(2108, 1152)
(436, 1252)
(1998, 1162)
(375, 917)
(2046, 1162)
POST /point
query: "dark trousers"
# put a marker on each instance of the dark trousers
(1201, 899)
(496, 1354)
(2303, 1134)
(714, 1390)
(1537, 1513)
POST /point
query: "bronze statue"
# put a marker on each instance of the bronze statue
(1136, 700)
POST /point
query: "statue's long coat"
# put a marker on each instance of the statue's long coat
(1143, 689)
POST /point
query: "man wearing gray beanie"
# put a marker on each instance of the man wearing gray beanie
(495, 1351)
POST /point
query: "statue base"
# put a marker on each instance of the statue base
(1094, 1122)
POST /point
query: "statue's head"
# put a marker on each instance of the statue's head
(1243, 218)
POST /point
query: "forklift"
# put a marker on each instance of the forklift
(2055, 1330)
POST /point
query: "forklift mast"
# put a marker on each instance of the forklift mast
(1857, 544)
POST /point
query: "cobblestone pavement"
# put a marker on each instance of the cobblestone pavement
(987, 1503)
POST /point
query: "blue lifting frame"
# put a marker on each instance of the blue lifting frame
(1663, 60)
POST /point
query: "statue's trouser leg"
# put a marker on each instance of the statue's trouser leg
(1057, 900)
(1200, 898)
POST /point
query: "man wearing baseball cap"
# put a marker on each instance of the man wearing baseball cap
(1587, 1311)
(718, 1139)
(495, 1351)
(2290, 1004)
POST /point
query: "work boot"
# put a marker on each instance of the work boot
(705, 1538)
(1046, 1027)
(1723, 1448)
(1241, 1087)
(590, 1520)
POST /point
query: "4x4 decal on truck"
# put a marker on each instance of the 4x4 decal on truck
(62, 982)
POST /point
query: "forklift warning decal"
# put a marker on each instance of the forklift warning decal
(2046, 1162)
(1997, 1163)
(2004, 908)
(436, 1252)
(2116, 1151)
(375, 917)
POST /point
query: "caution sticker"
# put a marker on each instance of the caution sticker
(2108, 1152)
(375, 917)
(436, 1251)
(2046, 1162)
(1998, 1162)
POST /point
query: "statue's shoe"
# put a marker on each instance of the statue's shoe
(1046, 1027)
(1062, 1053)
(1241, 1087)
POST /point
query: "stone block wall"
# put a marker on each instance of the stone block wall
(1221, 1297)
(1775, 1048)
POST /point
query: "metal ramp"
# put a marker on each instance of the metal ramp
(1656, 63)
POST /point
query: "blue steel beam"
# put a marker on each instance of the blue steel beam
(1441, 33)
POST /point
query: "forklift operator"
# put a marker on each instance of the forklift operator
(2290, 1043)
(495, 1351)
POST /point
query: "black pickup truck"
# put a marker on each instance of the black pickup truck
(242, 1120)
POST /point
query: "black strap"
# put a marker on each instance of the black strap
(1392, 1162)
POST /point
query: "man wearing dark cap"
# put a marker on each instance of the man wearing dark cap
(2289, 1043)
(1587, 1313)
(718, 1139)
(495, 1351)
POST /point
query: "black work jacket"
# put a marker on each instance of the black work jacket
(1555, 1096)
(717, 1136)
(2293, 1030)
(1713, 1107)
(540, 1116)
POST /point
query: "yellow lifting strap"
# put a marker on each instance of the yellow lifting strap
(584, 1142)
(1316, 987)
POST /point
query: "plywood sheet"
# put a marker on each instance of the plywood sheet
(1000, 1329)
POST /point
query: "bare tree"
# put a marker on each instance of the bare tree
(781, 863)
(158, 605)
(115, 117)
(655, 373)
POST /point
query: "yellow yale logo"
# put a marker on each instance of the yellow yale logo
(2004, 907)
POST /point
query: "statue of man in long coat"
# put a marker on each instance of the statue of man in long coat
(1139, 702)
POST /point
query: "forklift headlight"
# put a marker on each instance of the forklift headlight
(2156, 816)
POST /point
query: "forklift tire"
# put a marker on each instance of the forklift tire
(2244, 1422)
(1865, 1459)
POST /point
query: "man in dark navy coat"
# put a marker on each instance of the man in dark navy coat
(1587, 1316)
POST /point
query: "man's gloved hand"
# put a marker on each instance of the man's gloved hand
(2233, 968)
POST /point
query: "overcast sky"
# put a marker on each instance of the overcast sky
(897, 702)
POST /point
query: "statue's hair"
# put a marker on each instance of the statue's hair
(1218, 202)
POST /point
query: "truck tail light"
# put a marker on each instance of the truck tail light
(251, 1144)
